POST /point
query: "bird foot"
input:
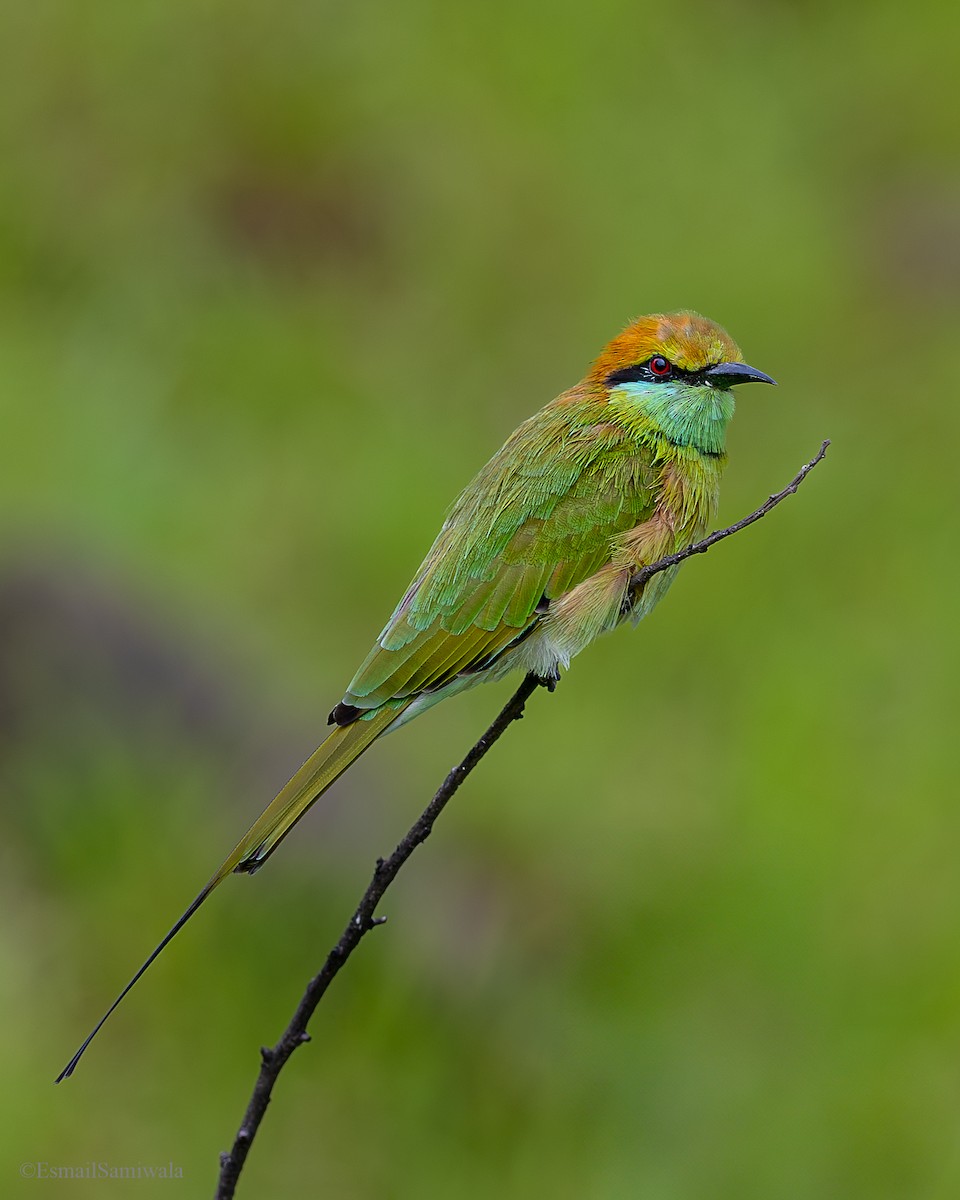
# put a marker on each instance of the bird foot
(549, 681)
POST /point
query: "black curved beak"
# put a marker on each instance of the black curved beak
(726, 375)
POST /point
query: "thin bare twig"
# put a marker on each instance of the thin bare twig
(273, 1059)
(362, 921)
(701, 547)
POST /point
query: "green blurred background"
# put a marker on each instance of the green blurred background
(275, 279)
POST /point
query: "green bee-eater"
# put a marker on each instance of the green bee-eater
(537, 555)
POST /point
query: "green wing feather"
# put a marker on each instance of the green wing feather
(537, 520)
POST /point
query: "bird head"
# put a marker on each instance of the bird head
(675, 371)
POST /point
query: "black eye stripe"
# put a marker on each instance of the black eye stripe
(641, 373)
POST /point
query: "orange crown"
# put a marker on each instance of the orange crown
(686, 339)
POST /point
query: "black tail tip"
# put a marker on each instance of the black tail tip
(249, 865)
(69, 1069)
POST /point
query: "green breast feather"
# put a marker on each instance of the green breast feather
(536, 521)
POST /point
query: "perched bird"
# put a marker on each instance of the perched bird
(538, 553)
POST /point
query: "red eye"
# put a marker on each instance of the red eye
(659, 366)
